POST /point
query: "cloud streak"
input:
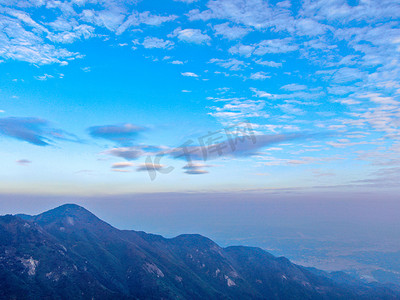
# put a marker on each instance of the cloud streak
(123, 134)
(243, 146)
(196, 168)
(33, 130)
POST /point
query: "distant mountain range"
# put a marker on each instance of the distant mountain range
(69, 253)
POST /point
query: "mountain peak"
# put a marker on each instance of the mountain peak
(68, 214)
(67, 209)
(70, 206)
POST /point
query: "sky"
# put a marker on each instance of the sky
(118, 97)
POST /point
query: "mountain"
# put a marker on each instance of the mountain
(69, 253)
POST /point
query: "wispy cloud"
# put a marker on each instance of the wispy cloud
(196, 168)
(43, 77)
(186, 1)
(231, 64)
(190, 36)
(133, 152)
(265, 47)
(123, 134)
(32, 130)
(153, 42)
(259, 76)
(121, 165)
(267, 63)
(230, 32)
(23, 162)
(146, 167)
(294, 87)
(233, 148)
(189, 74)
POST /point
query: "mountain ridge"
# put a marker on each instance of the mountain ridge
(69, 253)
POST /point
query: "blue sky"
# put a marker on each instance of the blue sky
(91, 90)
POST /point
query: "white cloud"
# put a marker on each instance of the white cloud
(237, 109)
(345, 75)
(68, 31)
(260, 94)
(243, 50)
(153, 42)
(294, 87)
(177, 62)
(273, 46)
(290, 109)
(231, 64)
(189, 74)
(43, 77)
(271, 64)
(230, 32)
(309, 27)
(259, 76)
(23, 38)
(340, 10)
(186, 1)
(110, 19)
(190, 36)
(347, 101)
(154, 20)
(115, 19)
(378, 98)
(17, 43)
(250, 13)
